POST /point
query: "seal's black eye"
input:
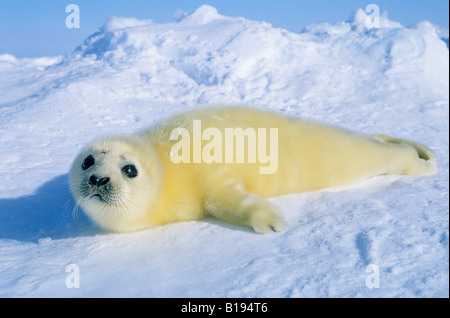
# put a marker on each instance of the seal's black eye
(88, 162)
(130, 171)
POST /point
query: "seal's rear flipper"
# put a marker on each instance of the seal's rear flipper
(424, 153)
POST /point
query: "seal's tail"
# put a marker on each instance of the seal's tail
(425, 154)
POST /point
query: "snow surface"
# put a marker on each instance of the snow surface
(133, 73)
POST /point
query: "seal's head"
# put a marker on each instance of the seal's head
(116, 181)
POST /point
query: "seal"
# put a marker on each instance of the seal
(131, 182)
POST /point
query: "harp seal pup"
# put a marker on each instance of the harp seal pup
(131, 182)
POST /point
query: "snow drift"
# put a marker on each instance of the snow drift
(132, 73)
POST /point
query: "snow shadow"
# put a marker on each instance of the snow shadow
(46, 213)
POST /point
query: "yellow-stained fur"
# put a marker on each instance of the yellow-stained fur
(310, 156)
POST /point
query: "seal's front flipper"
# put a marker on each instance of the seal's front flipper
(264, 216)
(234, 205)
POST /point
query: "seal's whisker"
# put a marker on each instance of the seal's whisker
(128, 209)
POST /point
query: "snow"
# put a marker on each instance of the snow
(133, 73)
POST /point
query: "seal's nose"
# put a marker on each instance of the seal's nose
(93, 180)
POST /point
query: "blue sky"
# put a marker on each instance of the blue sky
(31, 28)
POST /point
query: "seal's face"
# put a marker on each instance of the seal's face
(115, 180)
